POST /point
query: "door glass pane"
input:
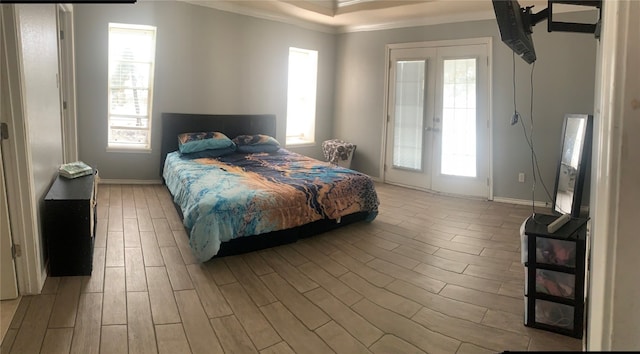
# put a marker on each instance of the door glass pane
(409, 111)
(459, 118)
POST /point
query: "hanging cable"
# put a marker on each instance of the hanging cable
(535, 166)
(533, 153)
(535, 157)
(516, 116)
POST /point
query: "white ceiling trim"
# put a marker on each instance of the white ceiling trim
(288, 19)
(344, 3)
(261, 14)
(290, 12)
(427, 21)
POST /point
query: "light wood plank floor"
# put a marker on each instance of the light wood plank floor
(431, 274)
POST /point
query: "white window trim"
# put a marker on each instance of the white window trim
(301, 140)
(134, 148)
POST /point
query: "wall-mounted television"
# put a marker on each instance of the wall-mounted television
(515, 24)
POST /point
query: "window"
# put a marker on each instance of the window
(459, 118)
(301, 96)
(131, 62)
(409, 114)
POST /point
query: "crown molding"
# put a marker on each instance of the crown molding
(237, 7)
(427, 21)
(261, 14)
(267, 15)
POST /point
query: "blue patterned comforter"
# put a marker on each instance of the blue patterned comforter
(250, 194)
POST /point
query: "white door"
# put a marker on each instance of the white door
(410, 109)
(438, 130)
(8, 281)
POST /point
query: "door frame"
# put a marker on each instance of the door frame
(22, 203)
(9, 277)
(488, 41)
(67, 71)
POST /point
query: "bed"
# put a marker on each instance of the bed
(240, 202)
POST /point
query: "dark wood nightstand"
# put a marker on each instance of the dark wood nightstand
(69, 225)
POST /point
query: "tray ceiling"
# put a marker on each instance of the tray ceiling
(348, 15)
(362, 15)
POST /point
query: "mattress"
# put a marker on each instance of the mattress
(240, 195)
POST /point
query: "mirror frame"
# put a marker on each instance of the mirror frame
(584, 163)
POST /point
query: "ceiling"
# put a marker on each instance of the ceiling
(362, 15)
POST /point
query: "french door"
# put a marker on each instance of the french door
(437, 119)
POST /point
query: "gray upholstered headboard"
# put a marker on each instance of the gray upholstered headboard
(231, 125)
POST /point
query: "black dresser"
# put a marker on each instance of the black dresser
(69, 225)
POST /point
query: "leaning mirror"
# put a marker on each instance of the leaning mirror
(573, 165)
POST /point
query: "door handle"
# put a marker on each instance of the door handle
(437, 130)
(428, 129)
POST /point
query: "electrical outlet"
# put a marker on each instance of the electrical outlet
(521, 177)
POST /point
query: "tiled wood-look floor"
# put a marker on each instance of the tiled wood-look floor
(430, 274)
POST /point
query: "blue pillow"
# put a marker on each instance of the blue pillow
(195, 142)
(256, 143)
(210, 153)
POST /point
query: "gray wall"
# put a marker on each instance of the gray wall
(210, 61)
(207, 61)
(563, 83)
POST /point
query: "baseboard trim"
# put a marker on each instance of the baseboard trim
(129, 181)
(537, 203)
